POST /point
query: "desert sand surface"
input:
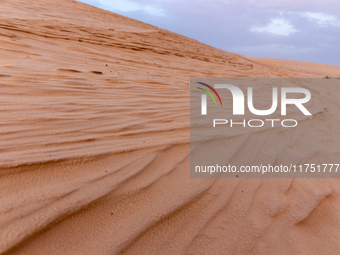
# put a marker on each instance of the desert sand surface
(308, 69)
(94, 148)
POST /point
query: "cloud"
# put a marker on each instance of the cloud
(276, 27)
(128, 6)
(321, 19)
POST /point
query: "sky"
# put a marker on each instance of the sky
(304, 30)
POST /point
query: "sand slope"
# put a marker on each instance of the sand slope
(94, 148)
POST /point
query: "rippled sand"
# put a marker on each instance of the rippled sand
(94, 148)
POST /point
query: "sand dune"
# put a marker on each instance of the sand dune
(94, 149)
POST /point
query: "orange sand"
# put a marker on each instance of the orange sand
(94, 148)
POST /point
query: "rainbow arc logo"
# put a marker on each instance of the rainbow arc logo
(209, 93)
